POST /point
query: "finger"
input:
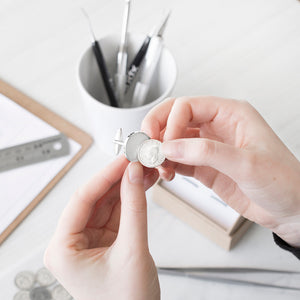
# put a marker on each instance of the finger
(103, 209)
(106, 212)
(78, 211)
(225, 158)
(156, 120)
(195, 111)
(133, 222)
(187, 110)
(166, 169)
(147, 171)
(192, 132)
(150, 179)
(206, 175)
(184, 170)
(166, 173)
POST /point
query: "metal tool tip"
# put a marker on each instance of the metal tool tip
(84, 12)
(160, 28)
(89, 21)
(164, 23)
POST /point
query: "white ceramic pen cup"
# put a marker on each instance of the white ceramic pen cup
(105, 119)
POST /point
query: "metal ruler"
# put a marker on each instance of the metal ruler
(34, 152)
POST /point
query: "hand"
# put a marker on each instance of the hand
(229, 147)
(100, 247)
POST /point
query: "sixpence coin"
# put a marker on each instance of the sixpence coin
(60, 293)
(40, 293)
(25, 280)
(44, 277)
(149, 153)
(22, 295)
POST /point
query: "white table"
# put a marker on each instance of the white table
(235, 48)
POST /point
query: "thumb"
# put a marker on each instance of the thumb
(133, 222)
(205, 152)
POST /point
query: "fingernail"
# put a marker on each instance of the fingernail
(135, 172)
(171, 176)
(172, 149)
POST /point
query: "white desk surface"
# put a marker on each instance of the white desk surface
(235, 48)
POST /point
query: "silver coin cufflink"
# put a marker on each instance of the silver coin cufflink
(139, 147)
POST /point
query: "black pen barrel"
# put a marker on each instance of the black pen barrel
(104, 74)
(134, 66)
(141, 53)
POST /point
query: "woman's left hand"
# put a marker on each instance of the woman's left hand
(100, 248)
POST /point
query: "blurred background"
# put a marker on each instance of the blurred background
(236, 48)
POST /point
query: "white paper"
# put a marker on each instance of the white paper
(18, 187)
(203, 199)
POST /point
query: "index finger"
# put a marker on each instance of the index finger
(79, 209)
(191, 111)
(175, 114)
(156, 120)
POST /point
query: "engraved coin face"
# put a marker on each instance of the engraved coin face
(44, 277)
(60, 293)
(22, 295)
(25, 280)
(40, 293)
(149, 153)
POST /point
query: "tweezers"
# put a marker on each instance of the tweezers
(206, 274)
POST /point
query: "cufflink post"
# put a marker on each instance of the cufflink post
(118, 141)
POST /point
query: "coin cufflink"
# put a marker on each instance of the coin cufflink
(139, 147)
(132, 144)
(149, 153)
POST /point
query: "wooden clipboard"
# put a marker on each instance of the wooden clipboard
(55, 121)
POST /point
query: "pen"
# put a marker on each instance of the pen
(101, 65)
(120, 77)
(135, 65)
(151, 60)
(138, 59)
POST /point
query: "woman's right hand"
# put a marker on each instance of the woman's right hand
(229, 147)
